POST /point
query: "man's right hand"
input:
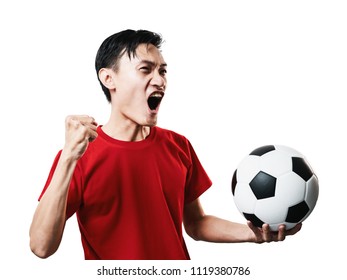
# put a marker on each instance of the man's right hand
(79, 131)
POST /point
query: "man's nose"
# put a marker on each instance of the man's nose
(159, 81)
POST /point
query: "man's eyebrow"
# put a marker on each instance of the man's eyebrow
(153, 63)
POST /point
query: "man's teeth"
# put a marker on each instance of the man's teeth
(157, 95)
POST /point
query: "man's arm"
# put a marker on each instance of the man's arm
(213, 229)
(49, 219)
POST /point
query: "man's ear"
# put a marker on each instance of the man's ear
(106, 76)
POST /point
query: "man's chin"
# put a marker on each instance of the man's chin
(151, 121)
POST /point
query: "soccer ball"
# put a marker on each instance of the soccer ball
(275, 185)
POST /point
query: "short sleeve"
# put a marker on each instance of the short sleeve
(197, 179)
(75, 196)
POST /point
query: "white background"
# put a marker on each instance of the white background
(241, 74)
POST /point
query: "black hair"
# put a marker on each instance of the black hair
(113, 47)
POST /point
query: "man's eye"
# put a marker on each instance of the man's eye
(163, 72)
(145, 69)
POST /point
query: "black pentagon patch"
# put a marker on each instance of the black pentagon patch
(262, 150)
(254, 219)
(234, 182)
(263, 185)
(301, 168)
(297, 212)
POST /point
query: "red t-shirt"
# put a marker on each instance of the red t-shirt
(129, 196)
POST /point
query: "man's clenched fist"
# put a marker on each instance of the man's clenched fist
(79, 131)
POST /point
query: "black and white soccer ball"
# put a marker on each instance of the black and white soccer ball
(275, 185)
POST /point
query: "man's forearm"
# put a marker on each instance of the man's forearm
(214, 229)
(50, 216)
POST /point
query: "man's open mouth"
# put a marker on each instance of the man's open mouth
(154, 100)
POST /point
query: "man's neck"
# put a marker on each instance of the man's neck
(126, 131)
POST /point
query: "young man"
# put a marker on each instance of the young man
(132, 184)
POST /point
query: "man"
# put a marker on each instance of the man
(131, 183)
